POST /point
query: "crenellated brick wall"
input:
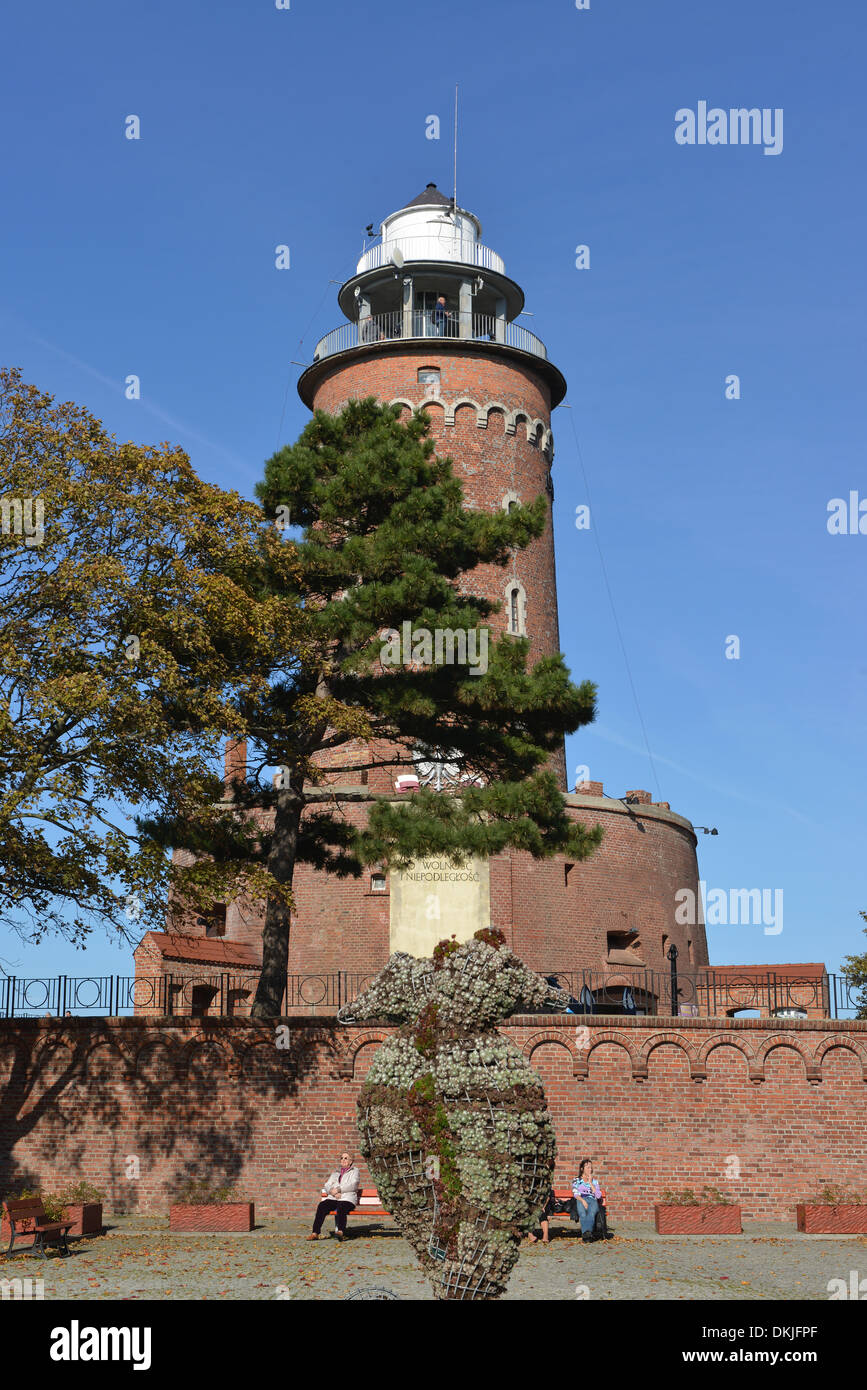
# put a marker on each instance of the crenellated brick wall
(656, 1102)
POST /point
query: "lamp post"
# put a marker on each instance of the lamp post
(672, 956)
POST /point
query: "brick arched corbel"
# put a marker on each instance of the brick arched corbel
(599, 1039)
(498, 406)
(554, 1036)
(456, 405)
(847, 1045)
(788, 1040)
(358, 1042)
(660, 1040)
(735, 1040)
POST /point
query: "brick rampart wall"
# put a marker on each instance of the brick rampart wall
(552, 919)
(657, 1103)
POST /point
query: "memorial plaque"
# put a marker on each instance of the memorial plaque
(436, 899)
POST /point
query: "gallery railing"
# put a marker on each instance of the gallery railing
(388, 327)
(702, 993)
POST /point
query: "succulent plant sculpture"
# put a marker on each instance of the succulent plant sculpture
(452, 1118)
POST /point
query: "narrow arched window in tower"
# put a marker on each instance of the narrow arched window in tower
(516, 608)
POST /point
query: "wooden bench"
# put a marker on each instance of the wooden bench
(564, 1194)
(29, 1214)
(369, 1204)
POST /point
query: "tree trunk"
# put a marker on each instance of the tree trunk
(275, 934)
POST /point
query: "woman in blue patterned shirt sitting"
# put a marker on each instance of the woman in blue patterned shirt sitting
(591, 1201)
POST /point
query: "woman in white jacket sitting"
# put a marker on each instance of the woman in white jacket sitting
(340, 1195)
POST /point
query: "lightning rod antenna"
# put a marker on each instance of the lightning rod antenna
(455, 185)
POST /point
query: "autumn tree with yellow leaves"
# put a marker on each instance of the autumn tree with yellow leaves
(133, 636)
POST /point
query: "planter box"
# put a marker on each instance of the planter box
(720, 1220)
(832, 1219)
(86, 1218)
(222, 1216)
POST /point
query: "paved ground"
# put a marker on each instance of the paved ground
(139, 1258)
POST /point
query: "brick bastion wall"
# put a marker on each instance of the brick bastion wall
(134, 1104)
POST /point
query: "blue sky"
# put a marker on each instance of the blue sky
(261, 127)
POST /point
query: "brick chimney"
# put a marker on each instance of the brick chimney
(643, 798)
(236, 763)
(590, 789)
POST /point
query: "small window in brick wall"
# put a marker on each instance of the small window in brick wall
(214, 921)
(624, 941)
(428, 376)
(378, 883)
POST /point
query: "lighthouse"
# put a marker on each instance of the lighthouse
(432, 321)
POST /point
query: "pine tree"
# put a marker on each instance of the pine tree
(385, 539)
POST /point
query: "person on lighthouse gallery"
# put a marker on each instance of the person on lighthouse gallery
(340, 1195)
(442, 318)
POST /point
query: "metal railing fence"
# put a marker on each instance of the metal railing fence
(700, 993)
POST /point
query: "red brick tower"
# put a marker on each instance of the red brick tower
(433, 322)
